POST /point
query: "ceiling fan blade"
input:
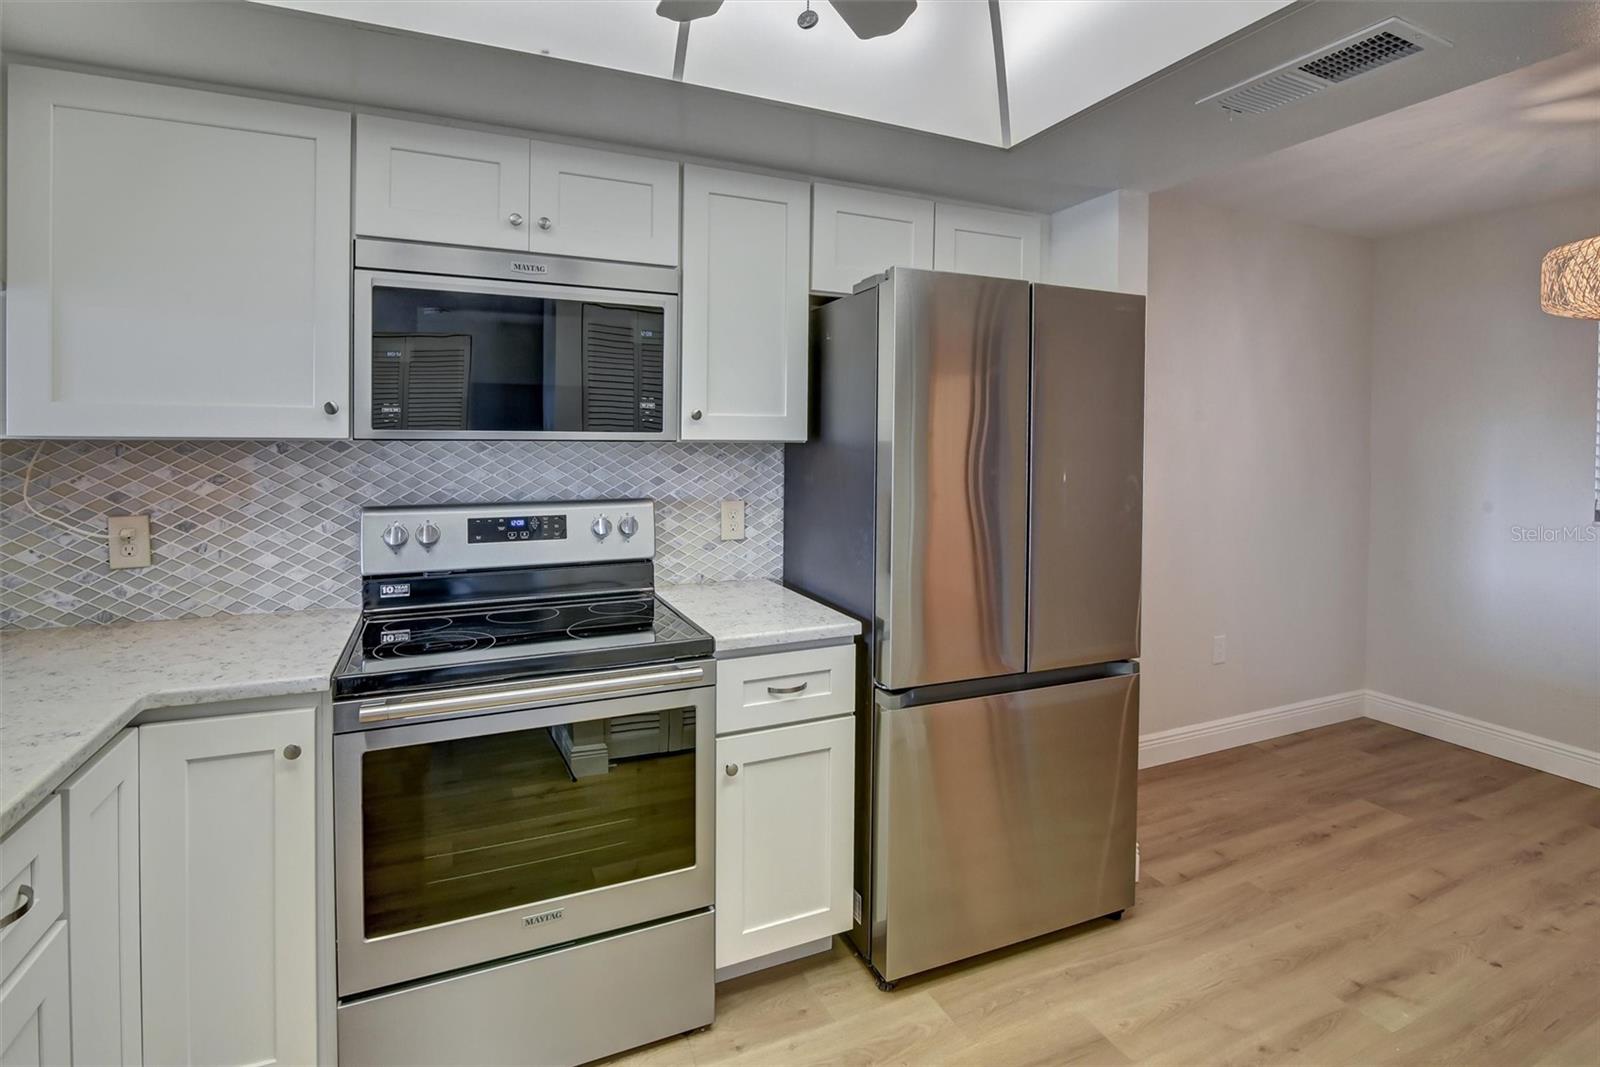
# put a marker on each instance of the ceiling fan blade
(874, 18)
(687, 10)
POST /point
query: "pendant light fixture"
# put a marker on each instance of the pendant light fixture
(1569, 280)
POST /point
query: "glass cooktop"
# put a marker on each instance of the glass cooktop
(448, 645)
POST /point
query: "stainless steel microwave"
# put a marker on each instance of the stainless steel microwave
(470, 343)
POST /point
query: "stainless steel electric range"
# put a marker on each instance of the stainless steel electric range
(522, 791)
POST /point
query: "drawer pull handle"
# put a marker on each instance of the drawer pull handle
(731, 769)
(786, 690)
(25, 894)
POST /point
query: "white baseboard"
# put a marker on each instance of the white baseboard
(1530, 750)
(1185, 742)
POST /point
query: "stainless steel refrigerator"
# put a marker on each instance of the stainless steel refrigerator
(971, 491)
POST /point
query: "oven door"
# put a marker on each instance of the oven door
(479, 358)
(459, 841)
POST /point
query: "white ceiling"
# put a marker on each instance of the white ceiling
(937, 74)
(1529, 135)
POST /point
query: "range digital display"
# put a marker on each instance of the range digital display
(517, 528)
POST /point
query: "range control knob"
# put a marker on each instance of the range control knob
(394, 535)
(628, 526)
(601, 528)
(427, 535)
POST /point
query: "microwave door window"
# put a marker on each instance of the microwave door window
(446, 360)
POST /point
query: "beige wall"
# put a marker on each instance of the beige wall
(1256, 463)
(1483, 420)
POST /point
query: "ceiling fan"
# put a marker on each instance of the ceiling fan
(866, 18)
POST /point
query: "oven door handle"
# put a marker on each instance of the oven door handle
(502, 699)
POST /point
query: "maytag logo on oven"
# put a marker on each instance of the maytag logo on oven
(530, 268)
(393, 589)
(543, 917)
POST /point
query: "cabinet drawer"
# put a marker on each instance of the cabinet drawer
(30, 879)
(785, 687)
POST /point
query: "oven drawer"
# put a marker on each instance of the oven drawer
(754, 692)
(566, 1006)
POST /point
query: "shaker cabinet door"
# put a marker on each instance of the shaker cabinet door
(34, 1027)
(227, 836)
(784, 837)
(179, 262)
(603, 205)
(102, 820)
(746, 258)
(856, 233)
(999, 244)
(420, 182)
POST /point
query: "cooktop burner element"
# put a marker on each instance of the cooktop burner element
(474, 611)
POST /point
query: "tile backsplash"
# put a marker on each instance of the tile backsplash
(262, 526)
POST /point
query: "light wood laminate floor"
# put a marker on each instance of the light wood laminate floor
(1356, 894)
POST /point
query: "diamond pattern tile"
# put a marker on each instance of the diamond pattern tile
(263, 526)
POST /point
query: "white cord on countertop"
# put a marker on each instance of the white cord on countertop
(27, 483)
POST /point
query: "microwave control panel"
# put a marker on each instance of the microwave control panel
(516, 528)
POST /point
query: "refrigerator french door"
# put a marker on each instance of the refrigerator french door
(971, 490)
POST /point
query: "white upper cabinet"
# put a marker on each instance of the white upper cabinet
(418, 181)
(746, 259)
(422, 182)
(859, 232)
(975, 240)
(179, 262)
(603, 205)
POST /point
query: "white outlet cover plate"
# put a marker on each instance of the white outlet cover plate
(126, 553)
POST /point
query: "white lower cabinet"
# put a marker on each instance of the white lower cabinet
(34, 1027)
(102, 849)
(227, 889)
(784, 831)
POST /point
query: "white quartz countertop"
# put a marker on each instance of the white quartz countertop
(759, 614)
(65, 692)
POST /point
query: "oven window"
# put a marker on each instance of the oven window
(462, 827)
(491, 362)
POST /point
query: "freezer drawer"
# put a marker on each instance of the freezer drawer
(1000, 818)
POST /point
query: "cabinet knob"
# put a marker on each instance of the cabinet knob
(731, 769)
(695, 414)
(331, 408)
(291, 752)
(544, 222)
(514, 218)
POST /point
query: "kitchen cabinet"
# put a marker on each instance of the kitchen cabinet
(34, 1017)
(179, 262)
(30, 884)
(603, 205)
(784, 806)
(102, 850)
(1000, 244)
(227, 889)
(419, 181)
(746, 260)
(859, 232)
(423, 182)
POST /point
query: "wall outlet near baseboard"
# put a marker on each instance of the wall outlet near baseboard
(733, 520)
(129, 537)
(1219, 649)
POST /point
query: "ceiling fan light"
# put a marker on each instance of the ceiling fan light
(1569, 280)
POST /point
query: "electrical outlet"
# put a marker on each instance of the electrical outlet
(130, 541)
(733, 520)
(1219, 649)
